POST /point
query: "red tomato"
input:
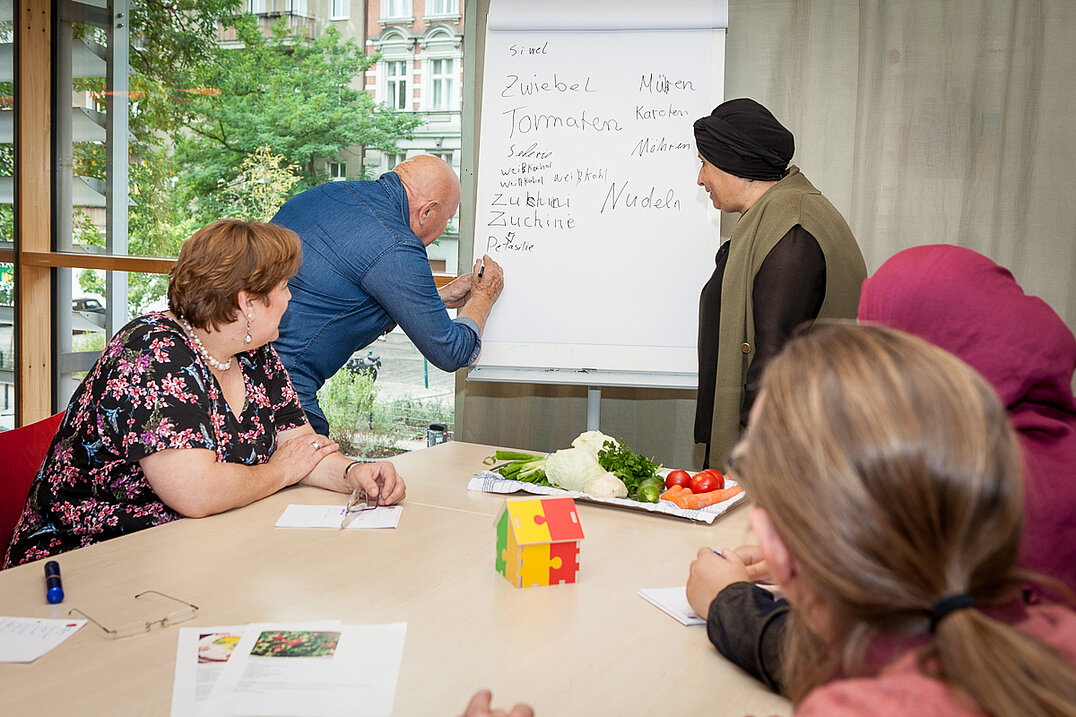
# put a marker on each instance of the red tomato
(717, 476)
(680, 478)
(703, 482)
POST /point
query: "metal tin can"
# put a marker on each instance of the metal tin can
(436, 433)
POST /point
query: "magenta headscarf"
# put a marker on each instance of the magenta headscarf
(968, 305)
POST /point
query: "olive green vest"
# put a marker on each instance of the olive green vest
(791, 201)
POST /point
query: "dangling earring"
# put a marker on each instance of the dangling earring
(248, 338)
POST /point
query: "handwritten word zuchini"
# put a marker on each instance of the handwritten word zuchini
(531, 200)
(533, 220)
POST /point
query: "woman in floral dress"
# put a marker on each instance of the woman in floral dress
(189, 412)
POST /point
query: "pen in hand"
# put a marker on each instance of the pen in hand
(481, 268)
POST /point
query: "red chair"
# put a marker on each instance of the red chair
(22, 451)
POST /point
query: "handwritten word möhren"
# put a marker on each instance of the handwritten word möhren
(652, 145)
(639, 201)
(661, 84)
(526, 123)
(515, 87)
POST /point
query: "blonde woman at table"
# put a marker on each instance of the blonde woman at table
(189, 412)
(889, 509)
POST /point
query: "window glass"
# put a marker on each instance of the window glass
(395, 9)
(442, 7)
(157, 144)
(7, 219)
(441, 83)
(396, 84)
(339, 9)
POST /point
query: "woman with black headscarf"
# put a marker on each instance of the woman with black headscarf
(791, 259)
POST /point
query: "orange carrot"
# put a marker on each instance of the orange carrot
(675, 490)
(693, 501)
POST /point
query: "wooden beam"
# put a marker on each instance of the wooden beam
(106, 262)
(33, 202)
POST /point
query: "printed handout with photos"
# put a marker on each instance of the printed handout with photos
(200, 656)
(280, 670)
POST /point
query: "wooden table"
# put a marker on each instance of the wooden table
(591, 648)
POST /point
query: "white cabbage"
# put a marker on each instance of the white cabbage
(607, 485)
(572, 468)
(593, 441)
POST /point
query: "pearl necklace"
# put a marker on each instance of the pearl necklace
(219, 365)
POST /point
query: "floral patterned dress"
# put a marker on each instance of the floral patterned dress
(150, 390)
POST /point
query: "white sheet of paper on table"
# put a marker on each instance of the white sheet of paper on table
(354, 673)
(329, 516)
(673, 601)
(24, 639)
(201, 654)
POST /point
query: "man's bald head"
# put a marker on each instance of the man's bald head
(433, 194)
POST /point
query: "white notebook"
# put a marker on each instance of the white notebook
(673, 601)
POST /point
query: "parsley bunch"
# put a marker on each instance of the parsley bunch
(628, 465)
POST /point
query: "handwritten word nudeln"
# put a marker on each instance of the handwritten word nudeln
(508, 243)
(523, 123)
(661, 84)
(534, 220)
(638, 201)
(653, 145)
(515, 87)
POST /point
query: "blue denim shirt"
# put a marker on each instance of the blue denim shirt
(363, 270)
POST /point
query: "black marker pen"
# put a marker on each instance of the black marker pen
(55, 589)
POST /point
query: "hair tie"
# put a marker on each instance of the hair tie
(949, 604)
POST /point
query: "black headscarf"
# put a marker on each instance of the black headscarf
(743, 138)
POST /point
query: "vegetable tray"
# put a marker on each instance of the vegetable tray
(490, 482)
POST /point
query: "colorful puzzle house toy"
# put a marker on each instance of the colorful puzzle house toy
(538, 541)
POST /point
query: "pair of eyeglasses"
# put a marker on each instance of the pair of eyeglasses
(184, 612)
(360, 500)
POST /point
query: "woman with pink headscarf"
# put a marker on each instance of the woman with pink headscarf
(962, 302)
(966, 304)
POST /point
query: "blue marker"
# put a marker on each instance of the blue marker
(55, 592)
(717, 553)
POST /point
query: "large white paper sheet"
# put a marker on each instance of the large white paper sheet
(24, 639)
(279, 670)
(329, 516)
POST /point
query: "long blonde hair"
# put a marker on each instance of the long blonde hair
(891, 472)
